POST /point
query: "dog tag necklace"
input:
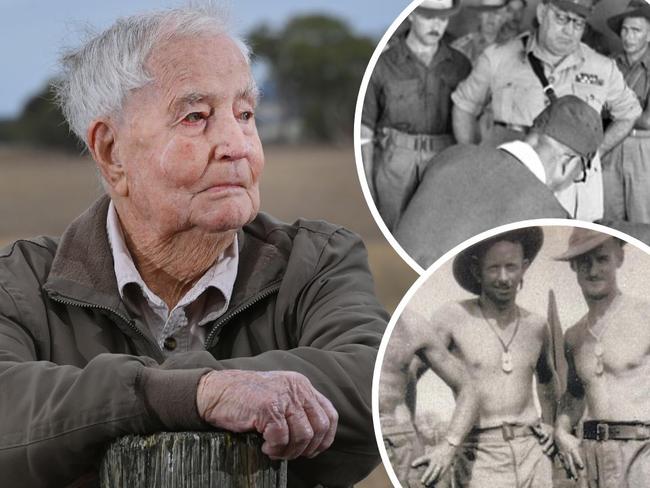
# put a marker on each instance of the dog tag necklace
(506, 356)
(599, 350)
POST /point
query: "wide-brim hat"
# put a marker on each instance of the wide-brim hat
(580, 7)
(582, 241)
(438, 8)
(531, 239)
(636, 8)
(488, 5)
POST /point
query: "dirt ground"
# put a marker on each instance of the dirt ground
(42, 192)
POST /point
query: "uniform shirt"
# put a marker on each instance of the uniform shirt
(406, 95)
(181, 329)
(637, 75)
(473, 44)
(503, 73)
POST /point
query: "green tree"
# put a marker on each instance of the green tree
(41, 123)
(317, 63)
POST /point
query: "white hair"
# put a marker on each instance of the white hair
(97, 77)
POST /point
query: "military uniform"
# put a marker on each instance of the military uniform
(408, 107)
(626, 169)
(504, 75)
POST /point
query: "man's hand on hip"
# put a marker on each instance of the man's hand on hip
(292, 416)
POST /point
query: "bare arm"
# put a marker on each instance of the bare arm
(643, 122)
(615, 133)
(465, 126)
(434, 351)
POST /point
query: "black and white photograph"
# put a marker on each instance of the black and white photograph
(522, 361)
(479, 113)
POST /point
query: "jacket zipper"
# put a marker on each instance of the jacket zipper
(130, 323)
(222, 322)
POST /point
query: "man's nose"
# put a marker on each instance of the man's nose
(503, 275)
(228, 138)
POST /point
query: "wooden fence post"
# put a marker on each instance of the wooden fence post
(190, 460)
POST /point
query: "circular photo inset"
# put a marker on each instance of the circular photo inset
(522, 360)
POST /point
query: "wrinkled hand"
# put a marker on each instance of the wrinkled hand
(569, 447)
(292, 416)
(438, 459)
(544, 434)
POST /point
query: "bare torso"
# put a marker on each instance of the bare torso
(622, 391)
(504, 396)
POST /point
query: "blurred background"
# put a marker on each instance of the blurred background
(310, 57)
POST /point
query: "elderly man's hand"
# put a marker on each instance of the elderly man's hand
(292, 416)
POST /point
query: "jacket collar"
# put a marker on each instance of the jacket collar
(83, 270)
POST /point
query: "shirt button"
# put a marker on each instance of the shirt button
(170, 343)
(551, 79)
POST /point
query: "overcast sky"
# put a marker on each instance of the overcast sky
(32, 32)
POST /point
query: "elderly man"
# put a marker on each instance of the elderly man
(470, 189)
(626, 170)
(608, 353)
(500, 346)
(523, 75)
(171, 304)
(407, 108)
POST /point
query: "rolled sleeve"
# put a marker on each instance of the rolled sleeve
(473, 93)
(621, 101)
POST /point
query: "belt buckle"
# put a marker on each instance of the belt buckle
(507, 431)
(602, 432)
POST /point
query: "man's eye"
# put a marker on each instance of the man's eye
(246, 115)
(194, 117)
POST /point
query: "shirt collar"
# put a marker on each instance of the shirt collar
(528, 157)
(221, 275)
(621, 58)
(577, 57)
(443, 52)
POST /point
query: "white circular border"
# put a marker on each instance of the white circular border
(357, 138)
(434, 267)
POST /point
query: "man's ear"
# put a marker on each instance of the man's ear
(525, 264)
(102, 144)
(539, 12)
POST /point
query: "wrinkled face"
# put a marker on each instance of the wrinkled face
(596, 270)
(427, 30)
(492, 21)
(501, 270)
(635, 34)
(515, 14)
(188, 141)
(560, 31)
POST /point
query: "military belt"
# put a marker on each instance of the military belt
(419, 142)
(515, 127)
(601, 430)
(503, 432)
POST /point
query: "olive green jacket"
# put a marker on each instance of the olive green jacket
(77, 371)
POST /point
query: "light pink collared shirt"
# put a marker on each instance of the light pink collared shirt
(181, 329)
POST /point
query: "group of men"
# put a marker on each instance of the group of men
(594, 388)
(511, 82)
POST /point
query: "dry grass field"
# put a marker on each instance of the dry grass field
(41, 192)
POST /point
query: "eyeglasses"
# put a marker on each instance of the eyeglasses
(563, 19)
(585, 165)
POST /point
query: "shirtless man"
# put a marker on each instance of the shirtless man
(608, 353)
(501, 346)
